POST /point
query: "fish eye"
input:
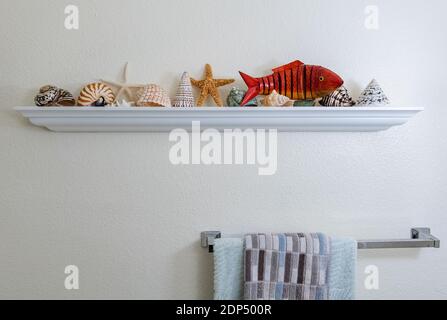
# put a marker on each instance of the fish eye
(321, 78)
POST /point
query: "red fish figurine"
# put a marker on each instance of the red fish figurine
(295, 80)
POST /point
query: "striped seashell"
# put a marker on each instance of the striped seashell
(152, 96)
(52, 96)
(96, 95)
(276, 100)
(338, 98)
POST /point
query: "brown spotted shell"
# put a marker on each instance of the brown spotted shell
(96, 95)
(52, 96)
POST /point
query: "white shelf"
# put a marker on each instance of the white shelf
(297, 119)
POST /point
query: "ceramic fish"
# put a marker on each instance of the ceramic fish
(236, 96)
(274, 99)
(373, 95)
(338, 98)
(96, 95)
(153, 96)
(295, 80)
(52, 96)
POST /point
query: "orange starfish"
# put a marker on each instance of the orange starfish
(209, 86)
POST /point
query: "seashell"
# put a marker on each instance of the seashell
(184, 97)
(152, 96)
(121, 104)
(236, 96)
(373, 95)
(96, 95)
(338, 98)
(52, 96)
(277, 100)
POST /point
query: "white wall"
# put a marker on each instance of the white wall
(114, 205)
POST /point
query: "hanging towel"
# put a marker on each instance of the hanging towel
(290, 266)
(228, 269)
(342, 269)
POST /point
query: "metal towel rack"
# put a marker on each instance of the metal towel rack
(420, 238)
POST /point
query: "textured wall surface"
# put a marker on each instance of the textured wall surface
(113, 205)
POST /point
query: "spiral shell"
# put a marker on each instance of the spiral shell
(277, 100)
(96, 95)
(52, 96)
(338, 98)
(153, 96)
(184, 97)
(373, 95)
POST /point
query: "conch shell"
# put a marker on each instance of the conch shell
(52, 96)
(152, 96)
(96, 95)
(276, 100)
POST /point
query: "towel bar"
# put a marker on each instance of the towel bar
(420, 238)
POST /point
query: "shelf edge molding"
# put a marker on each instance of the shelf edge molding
(284, 119)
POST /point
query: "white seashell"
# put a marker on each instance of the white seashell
(184, 97)
(276, 100)
(96, 95)
(121, 104)
(373, 95)
(152, 96)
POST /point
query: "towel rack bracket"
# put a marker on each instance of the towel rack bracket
(207, 239)
(425, 233)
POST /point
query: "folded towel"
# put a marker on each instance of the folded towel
(290, 266)
(228, 269)
(228, 264)
(342, 269)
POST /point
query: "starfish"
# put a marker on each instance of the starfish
(124, 87)
(209, 86)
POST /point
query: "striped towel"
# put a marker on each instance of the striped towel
(290, 266)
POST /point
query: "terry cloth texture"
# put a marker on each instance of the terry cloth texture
(342, 269)
(228, 269)
(290, 266)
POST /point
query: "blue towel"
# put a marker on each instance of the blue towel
(229, 278)
(228, 269)
(342, 269)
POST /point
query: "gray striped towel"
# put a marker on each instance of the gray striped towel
(287, 266)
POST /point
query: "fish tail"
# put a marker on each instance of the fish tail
(253, 88)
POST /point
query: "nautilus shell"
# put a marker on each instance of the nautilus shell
(52, 96)
(152, 96)
(96, 95)
(338, 98)
(276, 100)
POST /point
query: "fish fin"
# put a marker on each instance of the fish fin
(253, 88)
(288, 66)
